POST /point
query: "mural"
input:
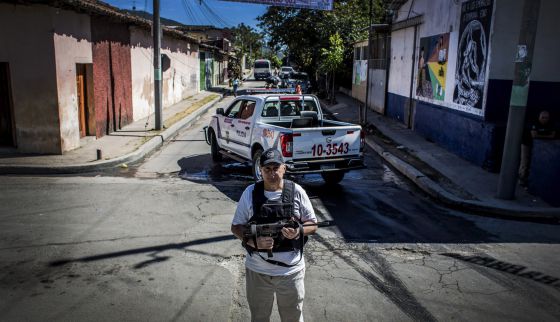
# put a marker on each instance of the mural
(359, 73)
(432, 67)
(472, 53)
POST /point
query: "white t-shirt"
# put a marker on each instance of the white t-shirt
(303, 210)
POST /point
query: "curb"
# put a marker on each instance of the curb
(130, 158)
(435, 191)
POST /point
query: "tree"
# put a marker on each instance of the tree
(332, 59)
(303, 33)
(247, 40)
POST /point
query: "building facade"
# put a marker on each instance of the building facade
(451, 68)
(93, 75)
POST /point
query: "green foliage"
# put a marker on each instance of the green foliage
(274, 60)
(333, 56)
(304, 33)
(247, 40)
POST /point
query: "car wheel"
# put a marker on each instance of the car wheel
(214, 148)
(332, 177)
(257, 175)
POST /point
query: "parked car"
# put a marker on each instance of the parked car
(286, 71)
(302, 79)
(293, 124)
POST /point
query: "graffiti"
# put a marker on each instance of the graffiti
(517, 270)
(472, 51)
(432, 67)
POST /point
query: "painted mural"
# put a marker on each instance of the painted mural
(472, 53)
(359, 73)
(432, 67)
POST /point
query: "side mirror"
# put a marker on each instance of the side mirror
(219, 111)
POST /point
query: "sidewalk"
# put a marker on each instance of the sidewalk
(443, 175)
(125, 146)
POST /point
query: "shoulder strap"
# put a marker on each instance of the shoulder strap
(258, 197)
(288, 192)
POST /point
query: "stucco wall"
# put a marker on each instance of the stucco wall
(72, 42)
(179, 81)
(505, 37)
(112, 75)
(33, 76)
(545, 76)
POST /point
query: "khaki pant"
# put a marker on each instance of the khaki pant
(289, 291)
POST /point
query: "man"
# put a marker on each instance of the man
(282, 273)
(543, 129)
(235, 86)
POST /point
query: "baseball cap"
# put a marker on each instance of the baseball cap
(271, 156)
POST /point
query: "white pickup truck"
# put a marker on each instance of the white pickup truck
(293, 124)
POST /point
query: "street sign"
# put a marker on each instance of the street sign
(305, 4)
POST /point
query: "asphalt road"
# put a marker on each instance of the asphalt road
(152, 242)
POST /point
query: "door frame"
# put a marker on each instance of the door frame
(84, 91)
(5, 74)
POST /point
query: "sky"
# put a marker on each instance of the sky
(192, 12)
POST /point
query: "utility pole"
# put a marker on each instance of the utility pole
(363, 118)
(157, 65)
(518, 100)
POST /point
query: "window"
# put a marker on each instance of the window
(247, 109)
(262, 64)
(233, 110)
(270, 109)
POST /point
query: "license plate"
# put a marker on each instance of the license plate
(327, 166)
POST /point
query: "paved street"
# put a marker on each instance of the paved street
(152, 242)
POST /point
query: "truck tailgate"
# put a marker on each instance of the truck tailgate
(326, 143)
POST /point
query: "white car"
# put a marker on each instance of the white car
(286, 72)
(293, 124)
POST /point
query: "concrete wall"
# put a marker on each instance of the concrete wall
(400, 73)
(179, 81)
(545, 76)
(33, 76)
(72, 42)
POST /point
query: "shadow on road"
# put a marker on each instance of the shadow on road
(152, 250)
(370, 206)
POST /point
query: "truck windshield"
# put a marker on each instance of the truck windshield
(262, 64)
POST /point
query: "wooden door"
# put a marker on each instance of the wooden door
(7, 133)
(82, 98)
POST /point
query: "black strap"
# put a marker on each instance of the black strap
(287, 197)
(258, 197)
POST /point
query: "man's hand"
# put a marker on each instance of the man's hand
(290, 233)
(265, 242)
